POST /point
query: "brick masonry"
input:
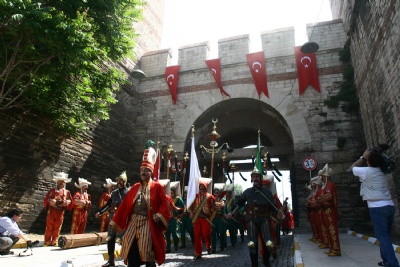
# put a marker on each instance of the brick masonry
(374, 27)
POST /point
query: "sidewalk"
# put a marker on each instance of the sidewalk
(94, 256)
(54, 256)
(357, 250)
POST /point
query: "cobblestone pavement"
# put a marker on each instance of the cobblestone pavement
(232, 256)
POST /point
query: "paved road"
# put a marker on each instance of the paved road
(232, 256)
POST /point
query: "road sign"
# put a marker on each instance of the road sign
(309, 163)
(173, 168)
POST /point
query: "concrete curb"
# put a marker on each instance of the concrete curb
(297, 259)
(372, 240)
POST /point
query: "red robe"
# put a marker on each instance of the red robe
(104, 218)
(159, 204)
(80, 213)
(322, 231)
(330, 215)
(55, 215)
(202, 227)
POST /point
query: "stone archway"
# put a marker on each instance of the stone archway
(239, 120)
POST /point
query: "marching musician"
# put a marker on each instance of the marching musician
(186, 223)
(217, 219)
(200, 213)
(259, 207)
(111, 207)
(58, 200)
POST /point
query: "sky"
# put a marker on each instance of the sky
(190, 21)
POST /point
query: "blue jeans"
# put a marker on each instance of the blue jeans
(382, 219)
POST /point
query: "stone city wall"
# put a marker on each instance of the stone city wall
(374, 30)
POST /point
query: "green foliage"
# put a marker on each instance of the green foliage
(323, 114)
(341, 142)
(56, 57)
(348, 91)
(345, 54)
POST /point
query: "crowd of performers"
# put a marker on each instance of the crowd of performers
(323, 215)
(146, 217)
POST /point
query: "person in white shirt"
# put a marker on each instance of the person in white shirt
(375, 190)
(10, 232)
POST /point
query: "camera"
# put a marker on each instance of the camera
(31, 244)
(388, 164)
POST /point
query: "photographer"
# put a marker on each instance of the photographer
(374, 190)
(10, 232)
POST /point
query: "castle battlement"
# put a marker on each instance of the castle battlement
(233, 50)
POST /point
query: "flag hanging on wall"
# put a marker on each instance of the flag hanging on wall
(214, 65)
(256, 62)
(306, 70)
(171, 76)
(193, 186)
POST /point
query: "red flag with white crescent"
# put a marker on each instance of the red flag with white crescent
(306, 70)
(256, 62)
(171, 76)
(157, 166)
(214, 65)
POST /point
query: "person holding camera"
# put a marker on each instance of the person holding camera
(10, 232)
(375, 190)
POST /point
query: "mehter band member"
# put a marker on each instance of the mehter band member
(82, 204)
(57, 200)
(111, 207)
(144, 216)
(260, 205)
(328, 201)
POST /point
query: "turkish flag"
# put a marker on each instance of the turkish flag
(306, 70)
(214, 65)
(171, 76)
(256, 62)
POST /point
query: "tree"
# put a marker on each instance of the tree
(57, 57)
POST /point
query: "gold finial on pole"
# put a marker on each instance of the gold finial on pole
(169, 151)
(214, 146)
(185, 159)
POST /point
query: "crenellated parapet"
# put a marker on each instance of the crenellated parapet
(328, 34)
(275, 43)
(280, 42)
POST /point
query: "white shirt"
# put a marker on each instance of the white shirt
(362, 173)
(9, 227)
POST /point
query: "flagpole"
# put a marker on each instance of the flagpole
(223, 167)
(214, 135)
(185, 159)
(169, 151)
(233, 168)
